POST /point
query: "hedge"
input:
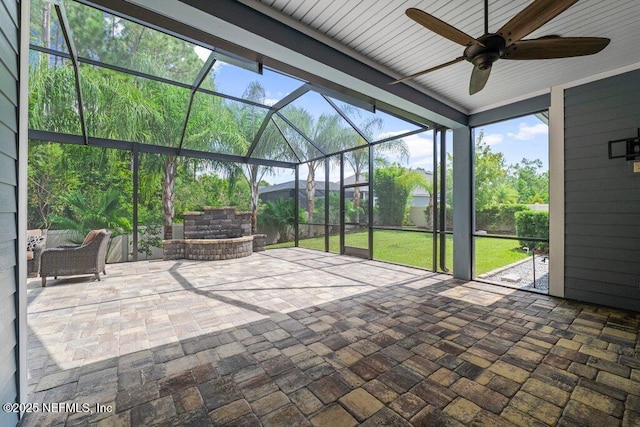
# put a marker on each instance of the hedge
(498, 219)
(533, 224)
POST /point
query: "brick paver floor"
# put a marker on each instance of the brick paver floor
(299, 337)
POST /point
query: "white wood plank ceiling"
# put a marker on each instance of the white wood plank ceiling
(380, 32)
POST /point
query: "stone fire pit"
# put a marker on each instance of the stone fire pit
(215, 234)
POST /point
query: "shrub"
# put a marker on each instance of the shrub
(86, 211)
(533, 224)
(499, 218)
(393, 185)
(281, 215)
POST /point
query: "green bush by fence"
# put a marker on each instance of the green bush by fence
(498, 219)
(533, 224)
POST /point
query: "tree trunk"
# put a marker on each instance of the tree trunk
(254, 185)
(169, 171)
(311, 191)
(429, 212)
(46, 24)
(356, 196)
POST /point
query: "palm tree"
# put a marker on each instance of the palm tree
(129, 108)
(86, 213)
(325, 132)
(248, 119)
(503, 194)
(210, 127)
(52, 97)
(280, 214)
(358, 158)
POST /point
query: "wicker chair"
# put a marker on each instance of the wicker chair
(67, 260)
(36, 242)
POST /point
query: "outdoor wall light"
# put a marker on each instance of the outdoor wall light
(628, 148)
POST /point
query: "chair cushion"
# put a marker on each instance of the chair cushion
(32, 241)
(34, 232)
(90, 236)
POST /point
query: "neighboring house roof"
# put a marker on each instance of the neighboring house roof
(349, 180)
(335, 186)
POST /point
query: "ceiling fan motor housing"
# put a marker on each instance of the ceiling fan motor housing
(483, 56)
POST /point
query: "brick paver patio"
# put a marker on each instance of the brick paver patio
(299, 337)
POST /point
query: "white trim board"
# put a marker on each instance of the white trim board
(556, 193)
(23, 126)
(567, 85)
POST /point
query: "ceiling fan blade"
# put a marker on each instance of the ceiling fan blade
(428, 70)
(532, 17)
(440, 27)
(479, 79)
(557, 47)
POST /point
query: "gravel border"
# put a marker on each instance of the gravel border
(523, 270)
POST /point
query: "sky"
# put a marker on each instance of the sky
(524, 137)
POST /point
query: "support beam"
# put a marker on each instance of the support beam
(261, 38)
(348, 120)
(513, 110)
(284, 138)
(298, 45)
(382, 141)
(342, 204)
(370, 201)
(136, 73)
(556, 193)
(296, 204)
(135, 157)
(68, 38)
(327, 183)
(434, 200)
(41, 135)
(367, 106)
(274, 109)
(442, 236)
(194, 88)
(304, 136)
(462, 204)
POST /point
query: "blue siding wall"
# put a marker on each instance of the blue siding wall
(602, 196)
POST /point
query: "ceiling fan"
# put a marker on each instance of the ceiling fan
(507, 42)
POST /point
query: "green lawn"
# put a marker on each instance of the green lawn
(415, 249)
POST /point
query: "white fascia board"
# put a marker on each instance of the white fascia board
(510, 101)
(220, 28)
(567, 85)
(601, 76)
